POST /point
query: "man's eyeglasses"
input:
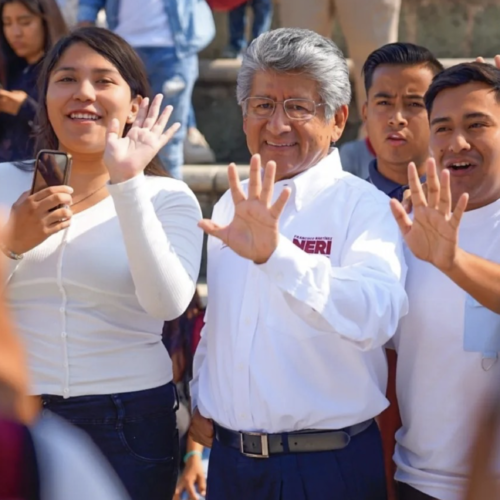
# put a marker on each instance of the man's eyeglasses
(295, 109)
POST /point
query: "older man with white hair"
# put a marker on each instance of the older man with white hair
(305, 279)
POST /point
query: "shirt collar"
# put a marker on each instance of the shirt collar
(308, 184)
(390, 188)
(379, 181)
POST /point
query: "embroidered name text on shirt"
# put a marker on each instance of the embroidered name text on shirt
(318, 245)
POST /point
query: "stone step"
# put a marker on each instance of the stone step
(210, 178)
(226, 70)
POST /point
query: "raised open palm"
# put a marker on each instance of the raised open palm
(254, 231)
(433, 234)
(126, 157)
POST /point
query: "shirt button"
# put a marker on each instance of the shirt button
(66, 391)
(64, 335)
(247, 321)
(241, 366)
(279, 276)
(61, 309)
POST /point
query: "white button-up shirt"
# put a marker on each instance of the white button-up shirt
(297, 343)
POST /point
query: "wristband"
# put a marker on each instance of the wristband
(10, 254)
(190, 454)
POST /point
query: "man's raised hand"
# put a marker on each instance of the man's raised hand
(433, 234)
(254, 231)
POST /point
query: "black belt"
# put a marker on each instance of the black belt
(257, 445)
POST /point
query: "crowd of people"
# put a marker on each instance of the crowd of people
(350, 345)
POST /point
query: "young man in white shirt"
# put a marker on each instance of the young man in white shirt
(305, 280)
(448, 344)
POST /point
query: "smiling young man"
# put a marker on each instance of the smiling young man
(448, 345)
(306, 286)
(397, 77)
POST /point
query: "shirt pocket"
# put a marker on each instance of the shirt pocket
(481, 332)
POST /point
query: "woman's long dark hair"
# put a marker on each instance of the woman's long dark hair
(120, 54)
(54, 28)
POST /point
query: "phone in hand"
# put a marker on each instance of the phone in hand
(52, 168)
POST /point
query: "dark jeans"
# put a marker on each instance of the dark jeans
(262, 13)
(407, 492)
(354, 473)
(137, 433)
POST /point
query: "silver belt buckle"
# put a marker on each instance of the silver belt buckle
(264, 443)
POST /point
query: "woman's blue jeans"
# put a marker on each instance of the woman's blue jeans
(136, 432)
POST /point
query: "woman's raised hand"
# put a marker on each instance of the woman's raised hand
(127, 157)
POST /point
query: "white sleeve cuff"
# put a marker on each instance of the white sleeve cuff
(130, 186)
(284, 264)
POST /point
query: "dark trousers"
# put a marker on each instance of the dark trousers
(353, 473)
(137, 433)
(407, 492)
(262, 17)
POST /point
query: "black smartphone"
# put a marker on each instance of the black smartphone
(52, 168)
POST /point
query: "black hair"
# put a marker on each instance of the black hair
(462, 74)
(399, 53)
(119, 53)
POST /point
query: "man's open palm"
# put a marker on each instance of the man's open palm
(433, 234)
(254, 231)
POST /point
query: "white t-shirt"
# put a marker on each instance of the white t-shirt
(144, 23)
(447, 367)
(89, 302)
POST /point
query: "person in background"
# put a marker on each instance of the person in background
(356, 157)
(28, 29)
(448, 345)
(94, 270)
(305, 273)
(167, 35)
(262, 11)
(397, 76)
(69, 10)
(192, 483)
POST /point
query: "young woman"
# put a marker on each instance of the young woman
(29, 28)
(95, 268)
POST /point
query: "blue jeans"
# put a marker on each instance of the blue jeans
(355, 472)
(174, 78)
(262, 12)
(192, 118)
(136, 432)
